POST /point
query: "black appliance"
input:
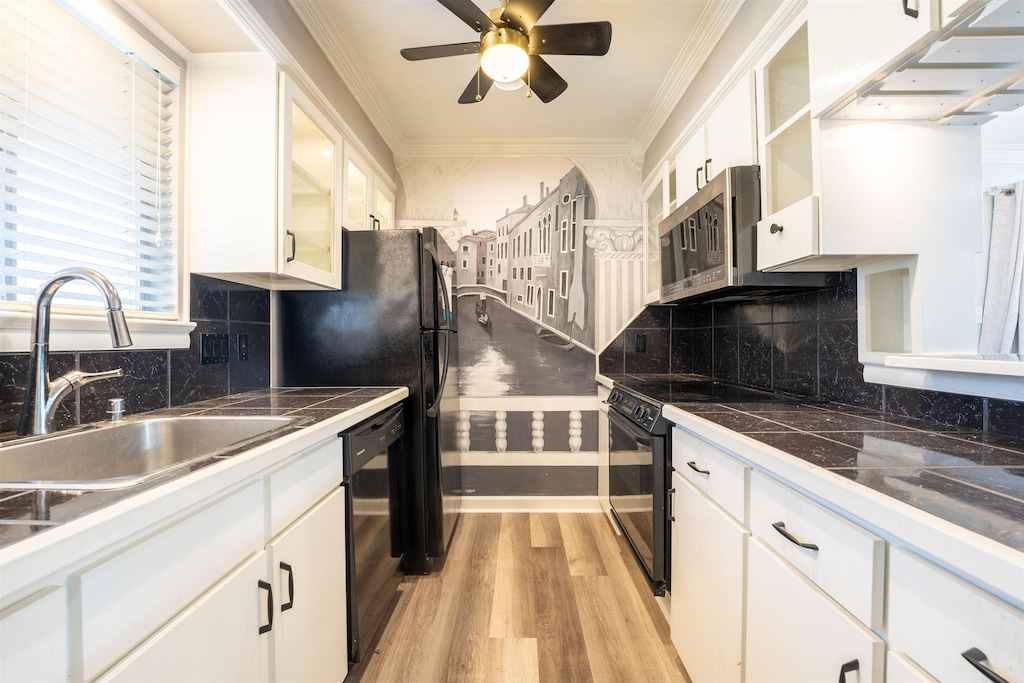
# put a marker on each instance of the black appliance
(639, 465)
(393, 324)
(372, 456)
(709, 243)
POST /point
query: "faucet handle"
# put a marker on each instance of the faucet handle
(116, 410)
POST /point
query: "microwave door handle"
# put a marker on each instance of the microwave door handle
(435, 407)
(446, 313)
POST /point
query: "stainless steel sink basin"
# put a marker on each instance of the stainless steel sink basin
(118, 455)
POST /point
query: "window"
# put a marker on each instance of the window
(514, 274)
(563, 284)
(564, 235)
(573, 222)
(529, 273)
(490, 247)
(465, 264)
(551, 303)
(529, 294)
(88, 138)
(465, 248)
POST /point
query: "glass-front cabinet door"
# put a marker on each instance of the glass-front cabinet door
(311, 154)
(383, 209)
(654, 212)
(358, 180)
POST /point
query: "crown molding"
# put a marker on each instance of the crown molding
(518, 147)
(711, 24)
(331, 39)
(155, 28)
(264, 37)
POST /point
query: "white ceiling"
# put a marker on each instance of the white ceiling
(623, 97)
(607, 97)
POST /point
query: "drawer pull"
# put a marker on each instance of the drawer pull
(291, 587)
(781, 528)
(291, 236)
(775, 228)
(693, 466)
(852, 665)
(910, 12)
(672, 504)
(270, 606)
(979, 661)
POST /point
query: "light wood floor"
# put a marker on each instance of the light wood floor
(527, 597)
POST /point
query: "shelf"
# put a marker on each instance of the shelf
(304, 182)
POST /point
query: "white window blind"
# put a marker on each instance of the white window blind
(86, 155)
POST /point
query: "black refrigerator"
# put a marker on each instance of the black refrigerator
(392, 324)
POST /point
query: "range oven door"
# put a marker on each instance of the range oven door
(637, 487)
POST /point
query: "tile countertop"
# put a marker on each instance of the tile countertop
(26, 513)
(964, 488)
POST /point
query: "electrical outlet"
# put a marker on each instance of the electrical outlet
(242, 347)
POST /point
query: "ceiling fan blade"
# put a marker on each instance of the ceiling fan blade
(466, 10)
(414, 54)
(482, 86)
(544, 80)
(524, 14)
(590, 38)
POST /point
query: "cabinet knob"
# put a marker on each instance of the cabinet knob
(775, 228)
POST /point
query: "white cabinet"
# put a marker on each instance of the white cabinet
(726, 139)
(796, 633)
(265, 178)
(310, 629)
(369, 202)
(836, 193)
(33, 637)
(217, 638)
(708, 589)
(939, 621)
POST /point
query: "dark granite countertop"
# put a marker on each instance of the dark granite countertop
(971, 478)
(27, 512)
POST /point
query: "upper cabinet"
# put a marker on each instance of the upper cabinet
(837, 193)
(266, 178)
(369, 202)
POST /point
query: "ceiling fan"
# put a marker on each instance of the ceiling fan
(511, 45)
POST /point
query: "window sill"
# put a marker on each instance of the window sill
(90, 333)
(996, 377)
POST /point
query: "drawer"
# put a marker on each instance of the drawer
(298, 484)
(849, 562)
(934, 617)
(722, 477)
(797, 239)
(127, 597)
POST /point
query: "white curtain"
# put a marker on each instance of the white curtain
(1002, 326)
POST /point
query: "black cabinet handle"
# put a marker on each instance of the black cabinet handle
(699, 169)
(979, 661)
(852, 665)
(290, 234)
(775, 228)
(270, 606)
(291, 586)
(707, 170)
(671, 504)
(781, 528)
(909, 12)
(693, 466)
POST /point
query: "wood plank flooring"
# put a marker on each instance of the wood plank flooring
(522, 598)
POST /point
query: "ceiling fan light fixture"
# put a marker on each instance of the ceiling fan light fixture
(510, 85)
(504, 55)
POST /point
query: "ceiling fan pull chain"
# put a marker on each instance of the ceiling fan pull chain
(529, 82)
(478, 95)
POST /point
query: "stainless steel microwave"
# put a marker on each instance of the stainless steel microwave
(709, 244)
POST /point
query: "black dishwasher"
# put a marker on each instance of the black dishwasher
(373, 453)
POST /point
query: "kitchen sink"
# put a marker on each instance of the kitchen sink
(124, 454)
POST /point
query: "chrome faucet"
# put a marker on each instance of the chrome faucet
(41, 395)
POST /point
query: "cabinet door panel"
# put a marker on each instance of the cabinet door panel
(215, 639)
(797, 238)
(310, 637)
(690, 168)
(730, 129)
(34, 638)
(708, 557)
(934, 617)
(298, 485)
(796, 633)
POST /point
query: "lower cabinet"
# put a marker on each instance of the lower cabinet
(708, 557)
(33, 637)
(310, 628)
(796, 633)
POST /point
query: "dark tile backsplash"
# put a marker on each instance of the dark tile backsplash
(154, 378)
(804, 343)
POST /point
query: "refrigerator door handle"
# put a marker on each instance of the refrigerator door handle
(435, 407)
(446, 312)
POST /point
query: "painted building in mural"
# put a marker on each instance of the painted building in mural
(537, 261)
